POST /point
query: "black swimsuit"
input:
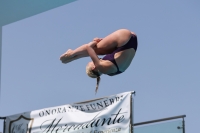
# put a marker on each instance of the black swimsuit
(132, 43)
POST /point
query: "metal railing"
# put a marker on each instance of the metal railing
(163, 120)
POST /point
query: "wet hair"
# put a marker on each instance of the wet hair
(93, 74)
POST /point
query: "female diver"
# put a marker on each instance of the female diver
(119, 49)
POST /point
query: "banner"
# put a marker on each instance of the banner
(111, 114)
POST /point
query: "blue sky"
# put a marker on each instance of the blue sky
(164, 73)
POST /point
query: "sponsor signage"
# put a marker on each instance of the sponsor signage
(111, 114)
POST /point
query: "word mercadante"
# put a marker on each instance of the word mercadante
(55, 126)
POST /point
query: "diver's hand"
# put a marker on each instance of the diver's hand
(92, 44)
(96, 39)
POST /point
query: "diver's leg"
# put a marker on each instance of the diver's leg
(110, 43)
(106, 46)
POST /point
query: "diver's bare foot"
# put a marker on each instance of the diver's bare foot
(67, 55)
(70, 59)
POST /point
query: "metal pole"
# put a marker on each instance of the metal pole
(131, 114)
(4, 123)
(183, 125)
(132, 125)
(4, 126)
